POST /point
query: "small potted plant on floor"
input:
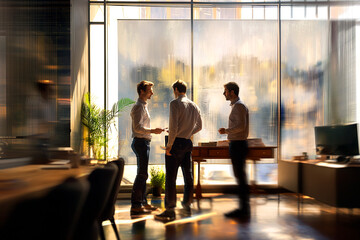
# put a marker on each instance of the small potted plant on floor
(157, 180)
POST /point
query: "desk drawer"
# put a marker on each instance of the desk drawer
(195, 153)
(260, 153)
(219, 153)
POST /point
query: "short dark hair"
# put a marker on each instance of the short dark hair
(180, 85)
(232, 86)
(142, 86)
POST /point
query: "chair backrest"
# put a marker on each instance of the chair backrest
(101, 181)
(109, 208)
(53, 216)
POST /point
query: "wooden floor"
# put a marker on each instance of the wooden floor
(270, 219)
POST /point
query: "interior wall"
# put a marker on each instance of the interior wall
(35, 49)
(80, 70)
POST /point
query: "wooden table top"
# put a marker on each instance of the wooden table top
(28, 181)
(20, 181)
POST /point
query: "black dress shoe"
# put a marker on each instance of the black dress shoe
(149, 207)
(139, 211)
(186, 208)
(239, 213)
(167, 215)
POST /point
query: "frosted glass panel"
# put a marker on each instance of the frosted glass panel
(97, 64)
(304, 57)
(318, 80)
(158, 51)
(244, 52)
(96, 13)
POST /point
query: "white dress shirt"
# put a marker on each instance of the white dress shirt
(185, 119)
(140, 120)
(238, 121)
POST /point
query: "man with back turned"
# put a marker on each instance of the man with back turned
(184, 121)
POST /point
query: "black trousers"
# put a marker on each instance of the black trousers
(141, 148)
(180, 157)
(238, 151)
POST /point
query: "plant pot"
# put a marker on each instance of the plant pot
(156, 191)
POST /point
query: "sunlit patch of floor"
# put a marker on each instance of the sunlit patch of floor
(128, 221)
(193, 218)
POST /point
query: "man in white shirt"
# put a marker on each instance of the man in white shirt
(238, 132)
(141, 146)
(184, 121)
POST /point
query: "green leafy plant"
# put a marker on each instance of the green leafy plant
(98, 122)
(157, 177)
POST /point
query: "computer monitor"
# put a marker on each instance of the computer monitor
(339, 140)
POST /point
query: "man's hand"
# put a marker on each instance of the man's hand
(168, 149)
(157, 130)
(221, 130)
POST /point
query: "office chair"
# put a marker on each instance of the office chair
(52, 216)
(109, 210)
(101, 182)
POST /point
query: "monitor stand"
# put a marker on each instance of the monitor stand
(338, 159)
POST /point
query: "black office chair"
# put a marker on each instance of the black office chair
(101, 181)
(109, 210)
(53, 216)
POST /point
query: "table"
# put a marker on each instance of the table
(29, 181)
(201, 153)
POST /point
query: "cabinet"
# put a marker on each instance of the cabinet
(333, 184)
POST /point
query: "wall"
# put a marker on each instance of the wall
(35, 39)
(79, 71)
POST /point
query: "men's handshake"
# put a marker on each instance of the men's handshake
(157, 130)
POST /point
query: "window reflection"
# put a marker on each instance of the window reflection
(157, 51)
(243, 52)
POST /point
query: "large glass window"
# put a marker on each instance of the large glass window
(319, 81)
(239, 41)
(230, 48)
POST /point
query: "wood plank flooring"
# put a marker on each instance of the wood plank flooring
(270, 219)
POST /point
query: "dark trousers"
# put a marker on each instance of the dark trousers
(180, 157)
(238, 151)
(141, 148)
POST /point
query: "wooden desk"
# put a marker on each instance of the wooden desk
(200, 154)
(29, 181)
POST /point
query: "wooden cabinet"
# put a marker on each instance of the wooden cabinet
(333, 184)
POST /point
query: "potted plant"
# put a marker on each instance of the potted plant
(98, 123)
(157, 180)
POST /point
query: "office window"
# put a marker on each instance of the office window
(236, 42)
(319, 77)
(147, 43)
(242, 51)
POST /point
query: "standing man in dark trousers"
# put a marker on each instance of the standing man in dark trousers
(184, 121)
(141, 146)
(238, 131)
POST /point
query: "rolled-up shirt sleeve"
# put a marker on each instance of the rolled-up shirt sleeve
(137, 114)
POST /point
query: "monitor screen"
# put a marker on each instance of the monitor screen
(341, 140)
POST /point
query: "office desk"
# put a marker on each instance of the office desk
(30, 181)
(201, 153)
